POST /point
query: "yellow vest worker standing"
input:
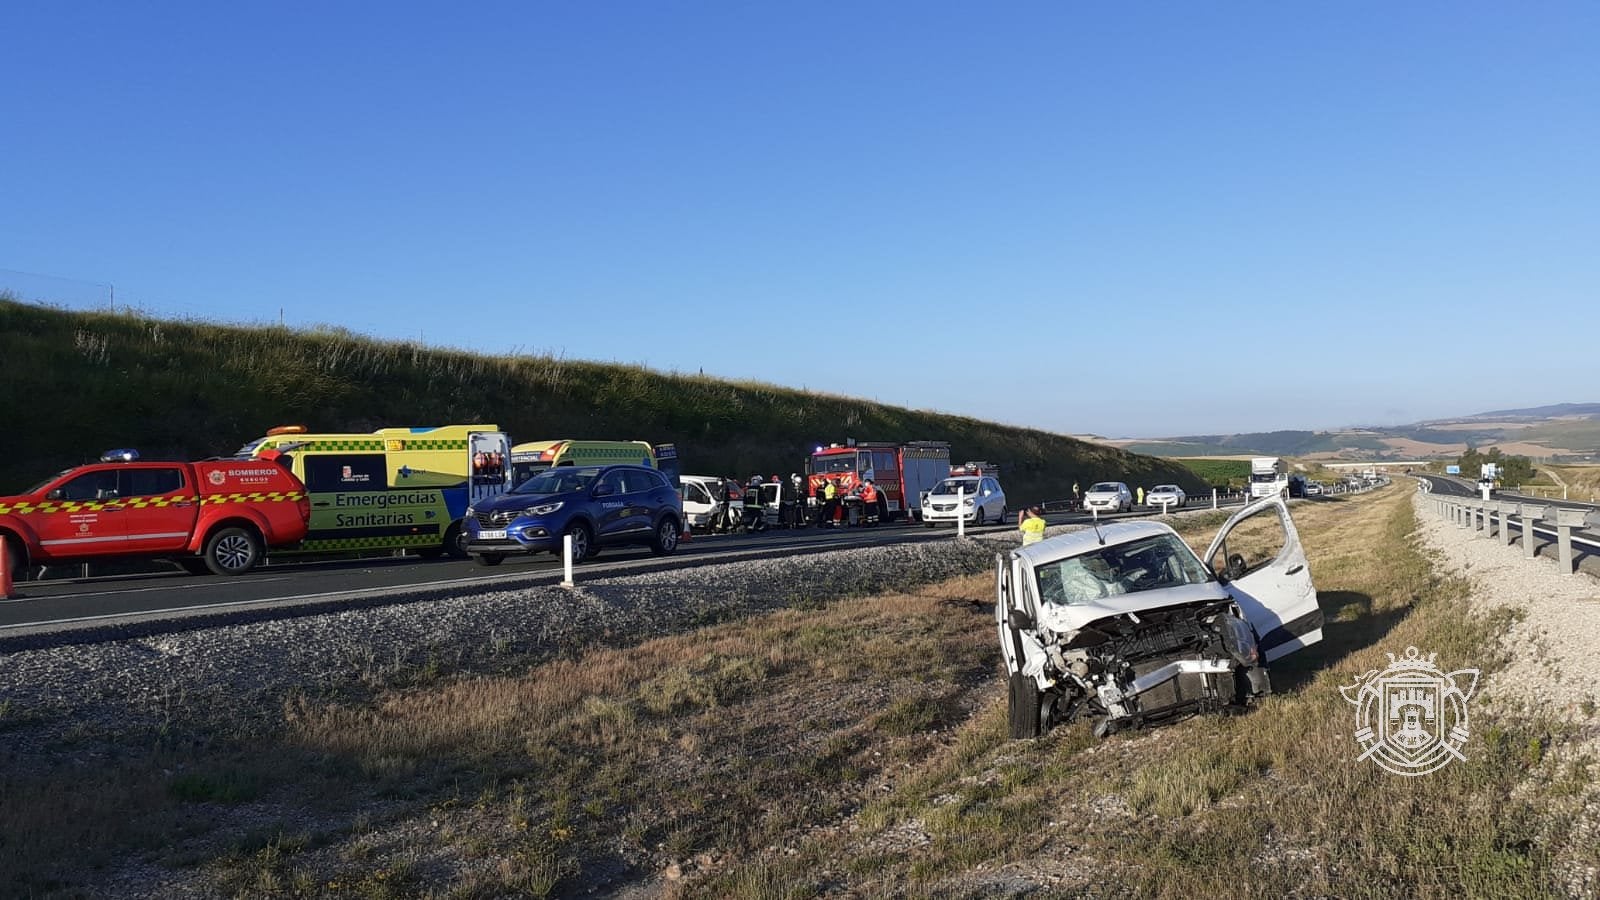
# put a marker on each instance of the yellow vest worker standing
(1141, 495)
(830, 502)
(1032, 525)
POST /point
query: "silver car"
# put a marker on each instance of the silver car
(1108, 496)
(1166, 495)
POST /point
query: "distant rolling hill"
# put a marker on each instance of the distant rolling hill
(1562, 432)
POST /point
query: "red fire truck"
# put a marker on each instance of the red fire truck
(975, 467)
(901, 472)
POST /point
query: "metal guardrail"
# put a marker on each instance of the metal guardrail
(1496, 519)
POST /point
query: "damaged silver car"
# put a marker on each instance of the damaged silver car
(1124, 625)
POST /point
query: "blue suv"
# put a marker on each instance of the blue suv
(599, 506)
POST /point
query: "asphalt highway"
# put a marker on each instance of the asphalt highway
(290, 588)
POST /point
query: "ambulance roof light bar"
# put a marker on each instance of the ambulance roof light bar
(123, 455)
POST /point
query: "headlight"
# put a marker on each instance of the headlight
(969, 502)
(471, 512)
(543, 509)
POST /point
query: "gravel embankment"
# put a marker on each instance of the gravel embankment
(1555, 649)
(241, 674)
(1554, 653)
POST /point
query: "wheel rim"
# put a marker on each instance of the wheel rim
(234, 552)
(669, 536)
(580, 543)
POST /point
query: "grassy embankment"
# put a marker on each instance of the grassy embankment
(78, 382)
(857, 745)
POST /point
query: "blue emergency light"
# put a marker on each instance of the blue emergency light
(119, 456)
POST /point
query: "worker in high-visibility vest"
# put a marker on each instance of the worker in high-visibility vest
(1141, 495)
(869, 503)
(830, 502)
(1032, 525)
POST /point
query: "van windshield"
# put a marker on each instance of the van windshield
(562, 480)
(1157, 562)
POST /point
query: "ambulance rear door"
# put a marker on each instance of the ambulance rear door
(489, 461)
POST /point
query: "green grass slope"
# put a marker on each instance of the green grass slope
(76, 383)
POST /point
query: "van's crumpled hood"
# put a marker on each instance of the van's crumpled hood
(1060, 618)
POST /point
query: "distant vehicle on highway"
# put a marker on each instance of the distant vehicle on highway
(983, 501)
(598, 506)
(1108, 496)
(1168, 495)
(1314, 489)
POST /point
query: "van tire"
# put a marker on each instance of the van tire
(1022, 707)
(233, 550)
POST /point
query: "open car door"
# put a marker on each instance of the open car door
(1005, 600)
(1258, 557)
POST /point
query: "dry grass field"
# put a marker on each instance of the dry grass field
(855, 747)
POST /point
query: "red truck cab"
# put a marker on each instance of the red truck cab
(216, 515)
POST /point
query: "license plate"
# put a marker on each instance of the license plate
(492, 534)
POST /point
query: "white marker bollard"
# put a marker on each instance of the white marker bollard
(1164, 507)
(566, 560)
(961, 513)
(1213, 498)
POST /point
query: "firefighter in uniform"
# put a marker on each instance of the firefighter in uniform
(869, 503)
(830, 502)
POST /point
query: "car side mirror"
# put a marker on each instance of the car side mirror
(1020, 619)
(603, 490)
(1236, 567)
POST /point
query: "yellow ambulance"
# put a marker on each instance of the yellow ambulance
(529, 459)
(395, 488)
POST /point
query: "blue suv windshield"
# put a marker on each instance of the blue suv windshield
(562, 480)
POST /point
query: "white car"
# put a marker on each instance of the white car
(1108, 496)
(1314, 489)
(983, 502)
(1122, 623)
(1169, 495)
(702, 496)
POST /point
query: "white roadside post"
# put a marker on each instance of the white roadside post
(961, 511)
(566, 560)
(1213, 498)
(1164, 502)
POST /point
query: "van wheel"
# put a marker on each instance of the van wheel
(977, 517)
(1022, 706)
(232, 551)
(489, 559)
(455, 542)
(665, 539)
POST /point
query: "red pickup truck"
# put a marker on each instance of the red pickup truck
(218, 515)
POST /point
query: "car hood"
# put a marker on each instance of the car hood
(1102, 495)
(1073, 618)
(1162, 494)
(503, 502)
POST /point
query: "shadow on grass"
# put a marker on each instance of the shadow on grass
(1349, 624)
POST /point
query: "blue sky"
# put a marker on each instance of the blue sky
(1138, 220)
